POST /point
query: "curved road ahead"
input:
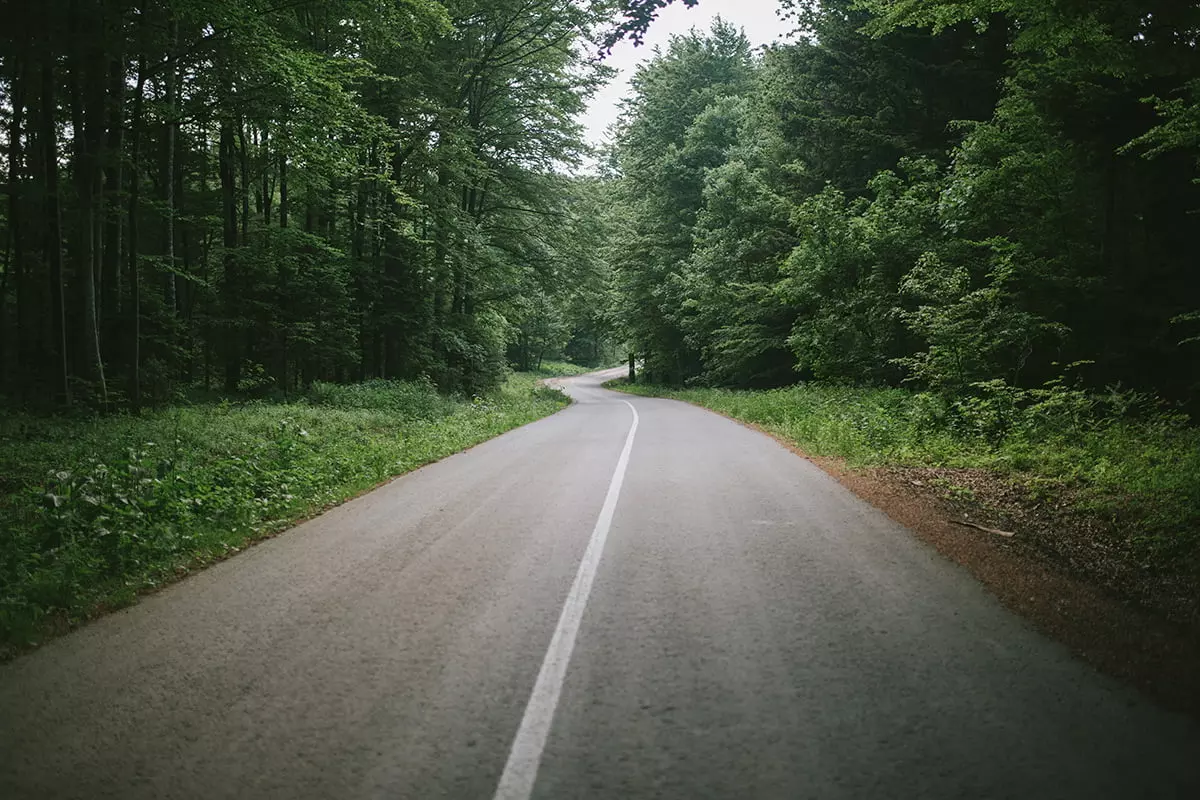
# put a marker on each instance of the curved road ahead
(579, 609)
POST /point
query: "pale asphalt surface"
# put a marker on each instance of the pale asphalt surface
(754, 631)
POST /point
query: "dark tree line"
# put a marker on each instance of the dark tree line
(945, 194)
(247, 194)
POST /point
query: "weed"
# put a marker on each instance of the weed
(558, 369)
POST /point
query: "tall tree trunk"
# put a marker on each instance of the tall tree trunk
(48, 137)
(268, 191)
(284, 208)
(87, 108)
(244, 168)
(135, 283)
(358, 216)
(231, 283)
(185, 289)
(110, 267)
(284, 277)
(170, 128)
(14, 261)
(206, 327)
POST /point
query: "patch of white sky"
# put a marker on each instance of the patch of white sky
(759, 19)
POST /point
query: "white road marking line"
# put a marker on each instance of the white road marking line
(523, 760)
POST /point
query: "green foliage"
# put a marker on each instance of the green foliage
(560, 308)
(636, 19)
(679, 123)
(733, 314)
(957, 197)
(405, 400)
(557, 369)
(928, 193)
(845, 276)
(973, 329)
(301, 191)
(97, 510)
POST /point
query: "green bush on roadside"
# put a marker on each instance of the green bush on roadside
(553, 369)
(407, 400)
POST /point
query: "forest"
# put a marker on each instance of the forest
(241, 196)
(931, 194)
(985, 212)
(245, 196)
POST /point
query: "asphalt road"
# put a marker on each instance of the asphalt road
(688, 612)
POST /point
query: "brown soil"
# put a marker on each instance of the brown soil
(1058, 571)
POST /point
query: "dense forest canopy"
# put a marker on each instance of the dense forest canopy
(943, 194)
(246, 194)
(250, 195)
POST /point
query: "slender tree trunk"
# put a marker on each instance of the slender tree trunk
(185, 289)
(284, 208)
(206, 327)
(135, 284)
(87, 109)
(268, 191)
(110, 267)
(170, 128)
(244, 168)
(14, 261)
(284, 276)
(358, 218)
(49, 141)
(230, 285)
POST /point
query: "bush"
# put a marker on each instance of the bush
(408, 400)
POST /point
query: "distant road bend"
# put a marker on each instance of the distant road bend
(584, 609)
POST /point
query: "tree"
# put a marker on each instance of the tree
(664, 158)
(272, 194)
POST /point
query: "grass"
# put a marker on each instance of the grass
(1135, 467)
(96, 511)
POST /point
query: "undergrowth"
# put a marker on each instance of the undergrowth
(556, 369)
(1124, 461)
(96, 511)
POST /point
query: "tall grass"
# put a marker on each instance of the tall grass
(93, 511)
(404, 400)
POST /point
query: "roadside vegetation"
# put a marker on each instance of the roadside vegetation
(560, 369)
(97, 510)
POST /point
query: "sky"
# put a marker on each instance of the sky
(756, 17)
